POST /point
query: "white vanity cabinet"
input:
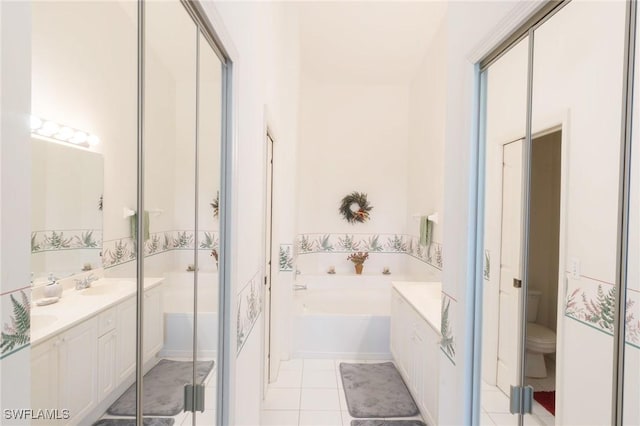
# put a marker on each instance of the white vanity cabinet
(414, 346)
(44, 377)
(64, 373)
(107, 350)
(126, 339)
(84, 367)
(400, 333)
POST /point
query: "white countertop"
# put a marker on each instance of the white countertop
(76, 306)
(425, 297)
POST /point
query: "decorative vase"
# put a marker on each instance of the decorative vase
(53, 290)
(359, 267)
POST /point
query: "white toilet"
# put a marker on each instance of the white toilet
(540, 339)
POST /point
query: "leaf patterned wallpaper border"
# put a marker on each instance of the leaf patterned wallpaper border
(373, 243)
(65, 239)
(447, 327)
(16, 322)
(117, 252)
(591, 302)
(248, 309)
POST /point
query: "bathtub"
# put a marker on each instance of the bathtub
(179, 318)
(342, 316)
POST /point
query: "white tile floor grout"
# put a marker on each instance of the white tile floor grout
(308, 393)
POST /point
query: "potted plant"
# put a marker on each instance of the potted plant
(358, 259)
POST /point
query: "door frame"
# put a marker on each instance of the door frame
(553, 124)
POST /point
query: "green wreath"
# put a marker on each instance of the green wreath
(355, 207)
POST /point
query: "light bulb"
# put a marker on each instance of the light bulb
(93, 140)
(49, 128)
(79, 137)
(36, 123)
(64, 133)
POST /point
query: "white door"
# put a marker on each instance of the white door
(272, 359)
(510, 265)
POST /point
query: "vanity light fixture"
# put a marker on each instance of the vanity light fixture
(62, 133)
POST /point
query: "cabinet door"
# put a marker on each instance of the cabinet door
(401, 332)
(153, 323)
(106, 364)
(78, 384)
(126, 340)
(44, 377)
(430, 376)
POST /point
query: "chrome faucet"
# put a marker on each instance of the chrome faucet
(86, 282)
(297, 287)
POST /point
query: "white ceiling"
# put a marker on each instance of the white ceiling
(366, 41)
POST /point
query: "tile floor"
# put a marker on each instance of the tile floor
(308, 393)
(495, 410)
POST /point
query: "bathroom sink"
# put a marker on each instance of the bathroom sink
(38, 321)
(98, 291)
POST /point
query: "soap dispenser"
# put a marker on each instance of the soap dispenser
(53, 287)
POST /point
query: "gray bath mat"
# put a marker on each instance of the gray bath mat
(376, 390)
(148, 421)
(387, 423)
(163, 389)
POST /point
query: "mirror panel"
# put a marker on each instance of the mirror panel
(209, 174)
(572, 262)
(631, 413)
(170, 198)
(84, 78)
(505, 86)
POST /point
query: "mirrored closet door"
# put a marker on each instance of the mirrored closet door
(83, 184)
(126, 248)
(182, 164)
(551, 140)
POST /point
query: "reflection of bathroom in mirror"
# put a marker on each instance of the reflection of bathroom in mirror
(66, 203)
(84, 324)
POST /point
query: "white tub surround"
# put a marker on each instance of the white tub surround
(178, 308)
(342, 316)
(415, 339)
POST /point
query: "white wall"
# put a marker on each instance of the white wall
(264, 43)
(470, 26)
(425, 154)
(352, 138)
(15, 220)
(575, 51)
(77, 85)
